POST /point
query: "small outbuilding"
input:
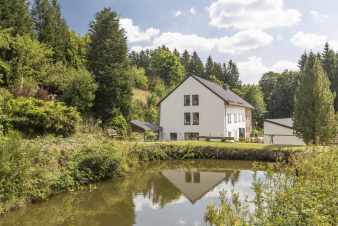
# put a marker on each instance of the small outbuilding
(280, 131)
(143, 127)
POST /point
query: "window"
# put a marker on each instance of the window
(229, 134)
(191, 136)
(188, 177)
(229, 117)
(235, 118)
(186, 100)
(195, 100)
(187, 118)
(173, 136)
(241, 133)
(195, 118)
(197, 177)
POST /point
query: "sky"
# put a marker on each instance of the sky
(259, 35)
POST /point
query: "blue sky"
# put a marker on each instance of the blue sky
(260, 35)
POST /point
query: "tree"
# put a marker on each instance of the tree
(51, 29)
(254, 95)
(79, 90)
(231, 75)
(329, 63)
(185, 60)
(314, 116)
(281, 102)
(302, 61)
(209, 68)
(139, 78)
(107, 60)
(167, 66)
(14, 14)
(196, 66)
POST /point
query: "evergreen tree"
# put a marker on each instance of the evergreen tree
(15, 14)
(196, 66)
(231, 75)
(209, 68)
(329, 63)
(217, 71)
(185, 60)
(107, 60)
(51, 28)
(176, 53)
(302, 61)
(314, 116)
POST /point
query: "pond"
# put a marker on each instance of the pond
(159, 193)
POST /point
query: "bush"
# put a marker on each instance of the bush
(38, 117)
(120, 124)
(79, 90)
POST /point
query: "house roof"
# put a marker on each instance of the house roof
(225, 94)
(146, 126)
(285, 122)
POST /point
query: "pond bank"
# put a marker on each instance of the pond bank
(33, 170)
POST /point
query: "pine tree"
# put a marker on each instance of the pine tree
(15, 14)
(209, 67)
(231, 75)
(107, 60)
(302, 61)
(51, 28)
(314, 116)
(185, 60)
(329, 63)
(196, 66)
(217, 71)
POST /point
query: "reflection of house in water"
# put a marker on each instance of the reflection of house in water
(194, 184)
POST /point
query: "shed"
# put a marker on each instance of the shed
(280, 131)
(141, 127)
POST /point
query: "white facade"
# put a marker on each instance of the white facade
(280, 135)
(213, 112)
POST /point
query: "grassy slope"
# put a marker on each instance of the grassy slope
(141, 95)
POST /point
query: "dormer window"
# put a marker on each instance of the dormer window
(195, 100)
(186, 100)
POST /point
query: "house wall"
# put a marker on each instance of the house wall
(233, 127)
(211, 109)
(275, 134)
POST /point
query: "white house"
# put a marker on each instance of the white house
(280, 131)
(199, 108)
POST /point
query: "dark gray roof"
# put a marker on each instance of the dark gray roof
(144, 125)
(286, 122)
(226, 94)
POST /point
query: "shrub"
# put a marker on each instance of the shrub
(38, 117)
(120, 124)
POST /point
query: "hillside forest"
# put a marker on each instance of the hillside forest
(52, 78)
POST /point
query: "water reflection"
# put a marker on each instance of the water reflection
(166, 194)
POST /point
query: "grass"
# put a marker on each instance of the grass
(215, 150)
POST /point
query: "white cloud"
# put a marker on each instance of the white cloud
(192, 11)
(308, 41)
(178, 13)
(239, 42)
(251, 14)
(319, 17)
(135, 34)
(253, 69)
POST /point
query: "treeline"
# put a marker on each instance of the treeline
(279, 88)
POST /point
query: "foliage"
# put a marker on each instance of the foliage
(37, 117)
(120, 124)
(51, 29)
(32, 170)
(139, 78)
(14, 14)
(167, 66)
(79, 89)
(107, 60)
(303, 193)
(150, 135)
(314, 117)
(25, 59)
(231, 75)
(254, 95)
